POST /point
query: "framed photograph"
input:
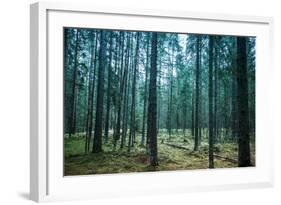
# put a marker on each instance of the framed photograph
(127, 102)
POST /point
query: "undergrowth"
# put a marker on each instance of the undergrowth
(77, 162)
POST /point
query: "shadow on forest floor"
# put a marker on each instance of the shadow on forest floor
(173, 154)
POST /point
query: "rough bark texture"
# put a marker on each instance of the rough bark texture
(97, 145)
(133, 103)
(242, 102)
(215, 91)
(192, 109)
(152, 104)
(92, 73)
(211, 143)
(234, 95)
(126, 98)
(197, 80)
(108, 90)
(71, 121)
(119, 97)
(145, 93)
(171, 97)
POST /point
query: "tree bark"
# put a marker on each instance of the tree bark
(192, 109)
(197, 80)
(211, 143)
(71, 120)
(234, 94)
(171, 95)
(125, 104)
(108, 90)
(133, 103)
(120, 99)
(91, 87)
(152, 104)
(97, 144)
(242, 102)
(145, 92)
(215, 91)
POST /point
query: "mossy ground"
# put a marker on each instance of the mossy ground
(76, 162)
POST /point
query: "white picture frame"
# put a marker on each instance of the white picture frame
(47, 182)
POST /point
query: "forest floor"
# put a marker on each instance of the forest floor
(174, 154)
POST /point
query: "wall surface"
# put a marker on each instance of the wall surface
(14, 102)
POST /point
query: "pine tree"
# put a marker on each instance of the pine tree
(152, 104)
(97, 144)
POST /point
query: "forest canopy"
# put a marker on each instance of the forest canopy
(152, 101)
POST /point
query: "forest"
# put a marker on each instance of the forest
(137, 101)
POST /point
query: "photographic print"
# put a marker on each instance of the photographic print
(138, 101)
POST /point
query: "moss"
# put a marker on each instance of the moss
(120, 161)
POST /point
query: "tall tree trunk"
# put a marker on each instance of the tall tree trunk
(234, 108)
(115, 95)
(159, 98)
(171, 95)
(233, 94)
(226, 109)
(90, 122)
(133, 103)
(108, 89)
(97, 144)
(120, 99)
(145, 92)
(219, 120)
(66, 49)
(215, 90)
(211, 143)
(76, 99)
(152, 104)
(197, 76)
(129, 87)
(136, 91)
(192, 109)
(91, 87)
(125, 97)
(177, 106)
(242, 102)
(71, 120)
(199, 98)
(185, 108)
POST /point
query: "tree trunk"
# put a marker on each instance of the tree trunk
(97, 144)
(125, 104)
(67, 48)
(192, 109)
(197, 80)
(211, 151)
(233, 95)
(145, 92)
(93, 90)
(133, 103)
(159, 98)
(215, 92)
(108, 90)
(152, 104)
(242, 102)
(185, 108)
(91, 87)
(71, 120)
(118, 123)
(171, 95)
